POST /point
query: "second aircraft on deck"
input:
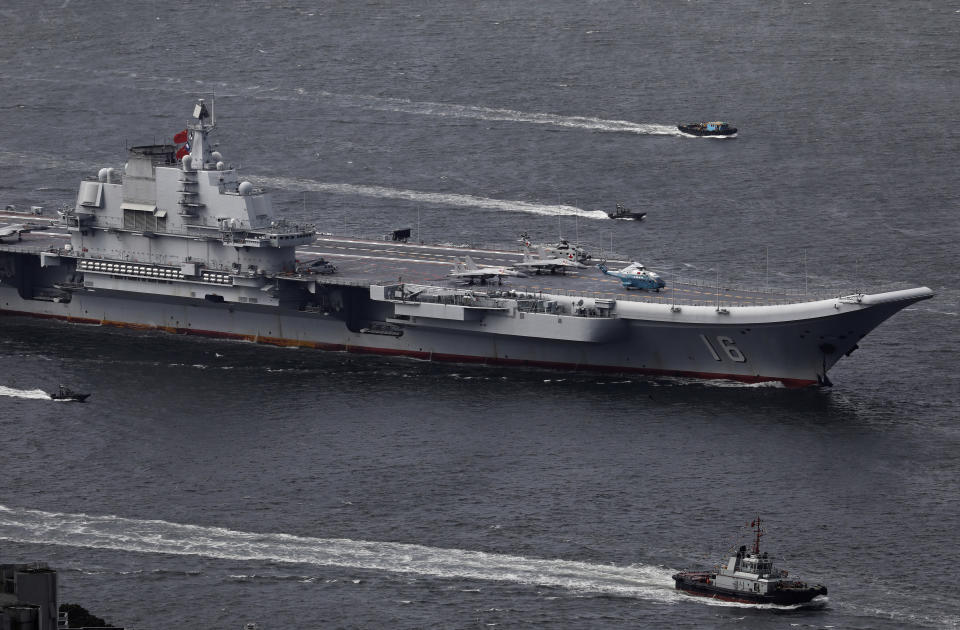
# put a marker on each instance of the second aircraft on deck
(557, 258)
(469, 270)
(635, 276)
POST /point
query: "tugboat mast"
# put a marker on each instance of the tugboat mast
(759, 532)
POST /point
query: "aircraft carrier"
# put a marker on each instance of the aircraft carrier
(176, 242)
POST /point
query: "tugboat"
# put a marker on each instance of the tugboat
(708, 129)
(64, 393)
(749, 578)
(622, 212)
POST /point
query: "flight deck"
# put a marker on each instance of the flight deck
(363, 261)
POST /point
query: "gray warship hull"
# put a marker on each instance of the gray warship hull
(794, 343)
(176, 242)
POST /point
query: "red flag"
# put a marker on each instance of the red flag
(181, 137)
(182, 151)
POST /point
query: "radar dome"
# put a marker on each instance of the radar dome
(216, 155)
(245, 188)
(187, 162)
(102, 174)
(221, 165)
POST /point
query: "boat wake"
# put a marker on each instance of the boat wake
(33, 394)
(715, 383)
(647, 582)
(369, 102)
(443, 199)
(815, 604)
(450, 110)
(152, 536)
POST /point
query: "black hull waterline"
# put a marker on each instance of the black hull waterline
(782, 597)
(71, 397)
(701, 130)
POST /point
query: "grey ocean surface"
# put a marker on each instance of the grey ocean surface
(208, 484)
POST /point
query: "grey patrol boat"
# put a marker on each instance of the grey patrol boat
(749, 578)
(178, 242)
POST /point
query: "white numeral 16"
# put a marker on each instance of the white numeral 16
(728, 345)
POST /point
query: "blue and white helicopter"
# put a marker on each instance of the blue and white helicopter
(635, 276)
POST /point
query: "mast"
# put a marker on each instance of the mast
(759, 533)
(198, 139)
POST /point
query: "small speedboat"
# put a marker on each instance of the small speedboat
(708, 129)
(625, 213)
(65, 393)
(748, 577)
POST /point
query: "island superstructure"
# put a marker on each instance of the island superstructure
(184, 245)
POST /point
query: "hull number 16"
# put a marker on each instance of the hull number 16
(727, 345)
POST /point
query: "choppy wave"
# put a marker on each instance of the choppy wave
(152, 536)
(908, 618)
(35, 394)
(931, 310)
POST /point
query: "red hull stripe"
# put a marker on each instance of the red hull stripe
(429, 356)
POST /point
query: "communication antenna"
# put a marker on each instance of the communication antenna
(857, 279)
(673, 294)
(804, 271)
(213, 108)
(766, 268)
(718, 287)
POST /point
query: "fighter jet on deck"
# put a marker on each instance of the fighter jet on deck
(546, 261)
(15, 229)
(470, 271)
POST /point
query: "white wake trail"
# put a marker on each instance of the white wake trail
(425, 108)
(441, 199)
(149, 536)
(452, 110)
(33, 394)
(180, 85)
